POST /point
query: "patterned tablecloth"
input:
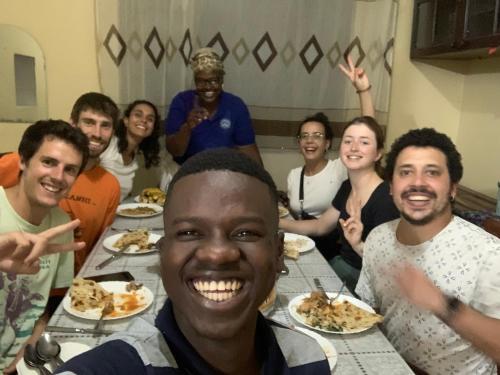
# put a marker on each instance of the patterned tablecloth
(362, 353)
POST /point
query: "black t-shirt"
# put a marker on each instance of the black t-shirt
(378, 210)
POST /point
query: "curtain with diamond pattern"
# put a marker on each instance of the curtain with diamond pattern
(280, 56)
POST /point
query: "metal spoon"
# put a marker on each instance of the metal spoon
(48, 349)
(32, 360)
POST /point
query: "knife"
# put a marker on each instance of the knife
(78, 330)
(111, 258)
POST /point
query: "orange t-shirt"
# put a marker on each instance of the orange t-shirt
(93, 199)
(9, 169)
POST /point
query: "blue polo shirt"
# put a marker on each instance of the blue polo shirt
(230, 126)
(148, 350)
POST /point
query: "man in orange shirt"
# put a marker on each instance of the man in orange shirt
(95, 194)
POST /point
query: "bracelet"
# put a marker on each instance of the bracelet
(364, 90)
(452, 307)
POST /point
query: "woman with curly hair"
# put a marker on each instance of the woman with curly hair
(137, 132)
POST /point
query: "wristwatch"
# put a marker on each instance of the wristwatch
(452, 307)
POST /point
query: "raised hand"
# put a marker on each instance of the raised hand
(353, 227)
(417, 288)
(20, 251)
(356, 75)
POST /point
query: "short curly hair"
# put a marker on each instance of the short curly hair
(224, 159)
(426, 137)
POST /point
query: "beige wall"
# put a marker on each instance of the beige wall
(456, 97)
(65, 31)
(459, 98)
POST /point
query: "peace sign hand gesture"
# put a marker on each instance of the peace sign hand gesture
(356, 75)
(20, 251)
(353, 227)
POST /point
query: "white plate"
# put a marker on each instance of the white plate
(156, 207)
(283, 211)
(294, 303)
(133, 249)
(68, 351)
(327, 346)
(144, 296)
(308, 242)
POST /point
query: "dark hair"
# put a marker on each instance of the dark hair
(426, 137)
(373, 125)
(150, 147)
(323, 120)
(97, 102)
(40, 131)
(224, 159)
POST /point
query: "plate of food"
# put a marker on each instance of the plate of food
(139, 241)
(151, 195)
(327, 346)
(86, 299)
(68, 350)
(296, 244)
(345, 315)
(267, 306)
(139, 209)
(283, 211)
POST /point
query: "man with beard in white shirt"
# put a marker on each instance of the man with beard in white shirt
(442, 302)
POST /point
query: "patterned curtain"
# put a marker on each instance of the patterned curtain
(280, 56)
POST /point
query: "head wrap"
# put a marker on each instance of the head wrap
(206, 60)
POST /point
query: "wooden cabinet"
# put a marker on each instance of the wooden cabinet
(455, 28)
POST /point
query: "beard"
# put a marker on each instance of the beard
(438, 211)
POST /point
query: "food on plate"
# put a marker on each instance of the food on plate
(339, 316)
(269, 301)
(292, 247)
(133, 285)
(152, 195)
(283, 211)
(87, 294)
(139, 237)
(139, 210)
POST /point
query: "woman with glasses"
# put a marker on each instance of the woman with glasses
(208, 117)
(137, 132)
(361, 203)
(312, 187)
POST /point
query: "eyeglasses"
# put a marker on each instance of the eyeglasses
(203, 83)
(316, 136)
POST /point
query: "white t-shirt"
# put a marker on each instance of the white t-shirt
(463, 261)
(112, 161)
(319, 190)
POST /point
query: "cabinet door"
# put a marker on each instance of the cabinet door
(434, 24)
(481, 18)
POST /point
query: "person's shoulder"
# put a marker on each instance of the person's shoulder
(186, 95)
(383, 189)
(231, 98)
(473, 233)
(295, 172)
(105, 177)
(298, 348)
(387, 228)
(109, 358)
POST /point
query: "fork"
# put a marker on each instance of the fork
(318, 285)
(108, 307)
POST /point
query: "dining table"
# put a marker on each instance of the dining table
(363, 353)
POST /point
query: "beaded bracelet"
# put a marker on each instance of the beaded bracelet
(364, 90)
